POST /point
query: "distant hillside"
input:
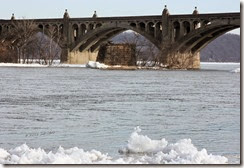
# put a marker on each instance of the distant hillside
(225, 48)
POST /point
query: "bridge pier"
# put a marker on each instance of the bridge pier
(186, 60)
(77, 57)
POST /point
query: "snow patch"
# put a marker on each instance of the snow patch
(35, 65)
(220, 63)
(96, 65)
(21, 65)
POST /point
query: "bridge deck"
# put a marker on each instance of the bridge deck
(131, 18)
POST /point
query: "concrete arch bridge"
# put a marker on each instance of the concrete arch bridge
(178, 37)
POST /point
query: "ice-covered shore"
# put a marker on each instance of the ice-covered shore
(139, 150)
(97, 65)
(90, 64)
(42, 66)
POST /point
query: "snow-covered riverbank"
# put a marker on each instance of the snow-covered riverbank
(97, 65)
(42, 66)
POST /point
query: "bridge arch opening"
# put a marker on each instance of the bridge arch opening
(40, 26)
(91, 26)
(98, 25)
(150, 28)
(75, 32)
(146, 52)
(187, 27)
(7, 28)
(54, 30)
(55, 27)
(205, 40)
(176, 30)
(196, 24)
(201, 37)
(142, 26)
(93, 39)
(205, 23)
(158, 31)
(83, 29)
(46, 29)
(133, 25)
(47, 26)
(61, 28)
(228, 51)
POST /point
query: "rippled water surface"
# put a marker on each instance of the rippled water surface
(98, 109)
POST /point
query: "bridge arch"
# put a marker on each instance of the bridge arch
(201, 37)
(93, 39)
(205, 40)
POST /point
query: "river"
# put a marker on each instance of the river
(81, 115)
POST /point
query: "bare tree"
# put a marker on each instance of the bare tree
(45, 48)
(7, 51)
(7, 54)
(23, 32)
(177, 60)
(52, 44)
(135, 39)
(152, 53)
(28, 44)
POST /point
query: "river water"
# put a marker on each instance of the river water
(80, 115)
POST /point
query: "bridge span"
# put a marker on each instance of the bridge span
(179, 37)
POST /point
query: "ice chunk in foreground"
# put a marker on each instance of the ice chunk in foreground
(161, 152)
(139, 150)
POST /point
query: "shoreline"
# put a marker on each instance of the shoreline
(117, 67)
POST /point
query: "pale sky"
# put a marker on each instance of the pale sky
(85, 8)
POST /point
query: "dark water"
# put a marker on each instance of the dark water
(98, 109)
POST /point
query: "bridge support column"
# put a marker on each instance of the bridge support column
(64, 55)
(177, 60)
(77, 57)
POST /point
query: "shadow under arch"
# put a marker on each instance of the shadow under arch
(93, 39)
